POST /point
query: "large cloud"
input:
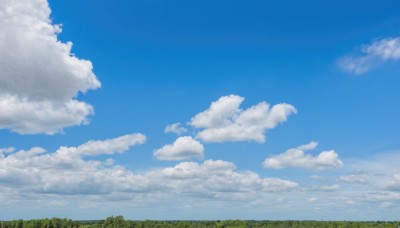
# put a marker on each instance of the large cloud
(184, 148)
(371, 56)
(296, 158)
(217, 177)
(225, 121)
(39, 76)
(73, 175)
(66, 172)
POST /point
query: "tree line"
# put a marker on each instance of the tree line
(120, 222)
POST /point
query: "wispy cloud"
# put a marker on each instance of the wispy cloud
(394, 183)
(175, 128)
(371, 56)
(326, 188)
(109, 146)
(355, 178)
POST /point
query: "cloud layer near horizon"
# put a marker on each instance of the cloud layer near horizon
(35, 175)
(38, 172)
(39, 76)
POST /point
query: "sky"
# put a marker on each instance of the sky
(200, 109)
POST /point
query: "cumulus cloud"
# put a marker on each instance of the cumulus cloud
(7, 150)
(175, 128)
(297, 158)
(27, 116)
(214, 177)
(371, 56)
(81, 178)
(65, 172)
(184, 148)
(225, 121)
(40, 78)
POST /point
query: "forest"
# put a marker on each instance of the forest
(119, 221)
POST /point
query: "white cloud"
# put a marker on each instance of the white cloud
(316, 177)
(387, 205)
(35, 177)
(28, 116)
(394, 183)
(219, 113)
(371, 56)
(109, 146)
(175, 128)
(356, 177)
(296, 158)
(39, 77)
(217, 177)
(326, 188)
(65, 172)
(377, 178)
(379, 197)
(184, 148)
(379, 171)
(225, 121)
(7, 150)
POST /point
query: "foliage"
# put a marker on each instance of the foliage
(120, 222)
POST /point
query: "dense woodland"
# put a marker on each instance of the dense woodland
(119, 221)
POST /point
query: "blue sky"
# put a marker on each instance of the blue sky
(282, 110)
